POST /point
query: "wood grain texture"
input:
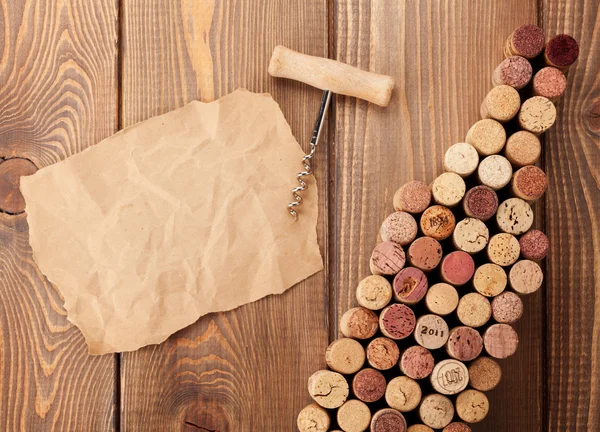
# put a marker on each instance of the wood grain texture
(573, 223)
(244, 370)
(58, 94)
(442, 55)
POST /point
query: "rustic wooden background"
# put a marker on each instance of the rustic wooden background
(75, 71)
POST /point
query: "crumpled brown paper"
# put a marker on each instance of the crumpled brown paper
(173, 218)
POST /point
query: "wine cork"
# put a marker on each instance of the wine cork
(438, 222)
(464, 344)
(354, 416)
(503, 249)
(416, 362)
(523, 148)
(527, 41)
(397, 321)
(313, 418)
(410, 285)
(441, 299)
(490, 280)
(374, 292)
(472, 406)
(449, 377)
(474, 310)
(494, 171)
(425, 253)
(500, 341)
(431, 331)
(387, 259)
(382, 353)
(368, 385)
(413, 197)
(487, 136)
(502, 103)
(359, 323)
(484, 374)
(403, 394)
(534, 245)
(457, 268)
(399, 227)
(480, 202)
(507, 308)
(389, 420)
(529, 183)
(561, 51)
(461, 159)
(525, 277)
(550, 83)
(345, 356)
(457, 427)
(419, 428)
(470, 235)
(448, 189)
(436, 411)
(537, 115)
(514, 71)
(514, 216)
(328, 389)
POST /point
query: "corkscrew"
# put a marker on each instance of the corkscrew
(332, 77)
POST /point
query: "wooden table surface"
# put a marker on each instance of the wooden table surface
(73, 72)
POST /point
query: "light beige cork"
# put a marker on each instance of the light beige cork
(525, 277)
(345, 356)
(354, 416)
(501, 104)
(313, 418)
(514, 216)
(495, 171)
(441, 299)
(472, 406)
(537, 115)
(436, 411)
(474, 310)
(490, 279)
(523, 148)
(470, 235)
(419, 428)
(328, 389)
(500, 341)
(374, 292)
(487, 136)
(507, 308)
(503, 249)
(461, 159)
(484, 374)
(383, 353)
(448, 189)
(431, 331)
(359, 323)
(450, 377)
(403, 394)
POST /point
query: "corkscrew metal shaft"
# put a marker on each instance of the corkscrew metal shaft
(314, 141)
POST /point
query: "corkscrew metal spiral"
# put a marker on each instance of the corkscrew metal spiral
(306, 159)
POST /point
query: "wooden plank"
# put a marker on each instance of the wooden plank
(573, 215)
(244, 370)
(58, 93)
(442, 55)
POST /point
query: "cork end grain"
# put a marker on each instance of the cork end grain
(523, 148)
(561, 51)
(354, 416)
(359, 323)
(436, 411)
(481, 202)
(457, 427)
(461, 159)
(397, 321)
(419, 428)
(495, 171)
(425, 253)
(410, 285)
(487, 136)
(417, 362)
(448, 189)
(464, 344)
(528, 41)
(389, 420)
(313, 418)
(387, 259)
(383, 353)
(374, 292)
(441, 299)
(413, 197)
(403, 394)
(529, 183)
(514, 71)
(457, 268)
(484, 374)
(345, 356)
(450, 377)
(470, 235)
(472, 406)
(328, 389)
(525, 277)
(534, 245)
(438, 222)
(514, 216)
(490, 280)
(507, 308)
(550, 83)
(474, 310)
(503, 249)
(501, 341)
(501, 104)
(369, 385)
(399, 227)
(431, 331)
(537, 115)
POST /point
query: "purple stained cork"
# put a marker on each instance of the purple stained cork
(425, 253)
(514, 71)
(480, 202)
(397, 321)
(388, 420)
(561, 51)
(416, 362)
(528, 41)
(387, 259)
(550, 83)
(413, 197)
(457, 268)
(534, 245)
(399, 227)
(368, 385)
(464, 343)
(410, 285)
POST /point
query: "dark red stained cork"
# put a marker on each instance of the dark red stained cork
(530, 183)
(369, 385)
(397, 321)
(388, 420)
(534, 245)
(528, 40)
(481, 202)
(562, 51)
